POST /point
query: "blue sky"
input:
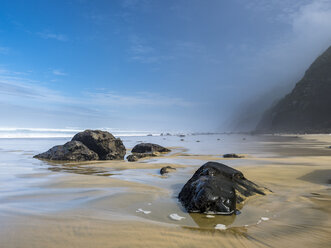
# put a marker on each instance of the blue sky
(151, 64)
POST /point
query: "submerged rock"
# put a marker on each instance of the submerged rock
(217, 188)
(149, 148)
(166, 169)
(232, 155)
(103, 143)
(70, 151)
(135, 156)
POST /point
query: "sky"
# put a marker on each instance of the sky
(181, 65)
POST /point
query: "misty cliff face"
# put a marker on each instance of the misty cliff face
(307, 109)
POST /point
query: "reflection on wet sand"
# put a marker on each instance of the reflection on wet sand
(205, 222)
(84, 170)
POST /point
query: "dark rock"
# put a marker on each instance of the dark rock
(144, 150)
(103, 143)
(198, 141)
(70, 151)
(132, 158)
(150, 134)
(218, 139)
(181, 135)
(181, 139)
(232, 155)
(307, 108)
(149, 148)
(217, 188)
(135, 156)
(166, 169)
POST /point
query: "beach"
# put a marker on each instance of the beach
(128, 204)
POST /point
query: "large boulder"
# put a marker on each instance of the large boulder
(149, 148)
(103, 143)
(70, 151)
(217, 188)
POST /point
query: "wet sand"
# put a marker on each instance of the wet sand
(95, 204)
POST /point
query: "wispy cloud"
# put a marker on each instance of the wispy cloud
(138, 99)
(49, 35)
(141, 51)
(21, 89)
(59, 72)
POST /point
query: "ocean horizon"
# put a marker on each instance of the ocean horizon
(16, 133)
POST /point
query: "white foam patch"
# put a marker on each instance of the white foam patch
(210, 216)
(264, 218)
(220, 227)
(139, 210)
(259, 222)
(176, 217)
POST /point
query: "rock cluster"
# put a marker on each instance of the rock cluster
(87, 145)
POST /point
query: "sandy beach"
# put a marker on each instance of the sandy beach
(122, 204)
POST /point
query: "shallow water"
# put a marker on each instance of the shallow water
(106, 202)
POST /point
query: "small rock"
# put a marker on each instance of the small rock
(166, 169)
(198, 141)
(232, 155)
(181, 139)
(132, 158)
